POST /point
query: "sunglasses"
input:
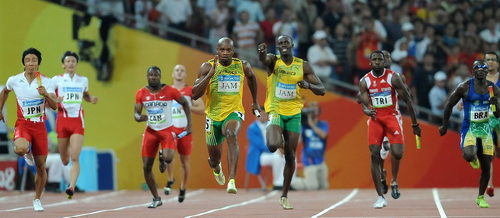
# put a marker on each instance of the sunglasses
(480, 66)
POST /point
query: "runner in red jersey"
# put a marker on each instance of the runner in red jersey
(379, 91)
(157, 99)
(71, 90)
(33, 91)
(179, 121)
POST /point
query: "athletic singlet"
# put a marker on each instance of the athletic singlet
(283, 93)
(225, 91)
(30, 104)
(476, 107)
(71, 89)
(179, 119)
(383, 96)
(158, 106)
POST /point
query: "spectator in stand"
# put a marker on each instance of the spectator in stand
(438, 95)
(422, 80)
(175, 14)
(491, 34)
(142, 8)
(341, 45)
(246, 34)
(208, 5)
(366, 42)
(333, 14)
(253, 8)
(267, 29)
(218, 20)
(288, 26)
(469, 53)
(321, 57)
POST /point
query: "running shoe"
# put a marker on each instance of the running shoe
(380, 203)
(285, 204)
(231, 187)
(490, 191)
(182, 195)
(475, 163)
(168, 188)
(163, 164)
(395, 190)
(70, 191)
(384, 150)
(28, 157)
(385, 187)
(481, 202)
(219, 177)
(156, 203)
(37, 205)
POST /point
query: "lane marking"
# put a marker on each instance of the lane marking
(189, 194)
(65, 202)
(353, 193)
(261, 198)
(8, 198)
(435, 195)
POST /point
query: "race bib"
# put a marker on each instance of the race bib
(72, 95)
(32, 108)
(228, 84)
(156, 116)
(208, 124)
(286, 91)
(381, 99)
(479, 114)
(177, 111)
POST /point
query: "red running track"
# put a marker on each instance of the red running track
(217, 203)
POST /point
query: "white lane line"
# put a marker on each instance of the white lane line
(435, 195)
(189, 194)
(8, 198)
(87, 199)
(268, 195)
(343, 201)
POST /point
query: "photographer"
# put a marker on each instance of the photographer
(314, 135)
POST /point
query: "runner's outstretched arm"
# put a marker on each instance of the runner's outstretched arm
(364, 99)
(137, 114)
(206, 72)
(4, 94)
(252, 84)
(267, 59)
(402, 91)
(455, 96)
(311, 81)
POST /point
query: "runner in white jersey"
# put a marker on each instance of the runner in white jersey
(33, 91)
(71, 90)
(179, 121)
(157, 99)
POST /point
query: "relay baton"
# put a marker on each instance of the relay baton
(490, 90)
(257, 113)
(38, 79)
(418, 143)
(183, 133)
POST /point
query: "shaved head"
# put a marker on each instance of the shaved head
(225, 41)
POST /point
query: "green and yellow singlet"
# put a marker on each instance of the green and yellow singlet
(283, 93)
(225, 91)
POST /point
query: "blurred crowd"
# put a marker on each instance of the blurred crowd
(424, 37)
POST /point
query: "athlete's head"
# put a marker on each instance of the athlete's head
(388, 59)
(491, 59)
(377, 61)
(284, 44)
(32, 58)
(69, 61)
(479, 69)
(179, 72)
(154, 76)
(225, 49)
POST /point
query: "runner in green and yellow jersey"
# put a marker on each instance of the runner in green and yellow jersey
(287, 76)
(222, 80)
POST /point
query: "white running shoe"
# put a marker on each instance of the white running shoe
(384, 150)
(380, 203)
(220, 176)
(28, 157)
(37, 205)
(231, 187)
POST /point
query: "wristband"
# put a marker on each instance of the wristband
(137, 116)
(414, 125)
